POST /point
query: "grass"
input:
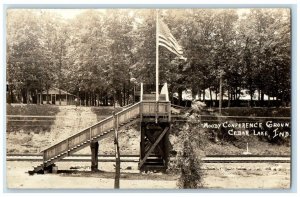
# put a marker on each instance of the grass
(103, 112)
(32, 110)
(237, 145)
(35, 124)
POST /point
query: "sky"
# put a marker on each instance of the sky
(71, 13)
(67, 13)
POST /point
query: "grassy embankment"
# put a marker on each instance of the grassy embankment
(20, 117)
(208, 144)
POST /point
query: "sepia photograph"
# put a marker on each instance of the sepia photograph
(196, 98)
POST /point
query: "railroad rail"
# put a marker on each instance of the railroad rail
(135, 158)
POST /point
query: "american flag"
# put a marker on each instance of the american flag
(166, 39)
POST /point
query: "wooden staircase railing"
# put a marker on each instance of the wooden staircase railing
(82, 138)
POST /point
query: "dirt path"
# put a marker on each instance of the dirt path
(216, 176)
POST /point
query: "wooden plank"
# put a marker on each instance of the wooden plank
(152, 140)
(153, 146)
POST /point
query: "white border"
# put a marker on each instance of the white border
(153, 2)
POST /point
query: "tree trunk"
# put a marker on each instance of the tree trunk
(251, 98)
(229, 97)
(47, 96)
(59, 94)
(27, 96)
(93, 98)
(10, 95)
(127, 95)
(210, 96)
(90, 98)
(41, 96)
(180, 95)
(221, 94)
(216, 97)
(261, 98)
(85, 99)
(236, 94)
(199, 92)
(124, 94)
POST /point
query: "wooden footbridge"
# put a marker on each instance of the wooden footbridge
(154, 118)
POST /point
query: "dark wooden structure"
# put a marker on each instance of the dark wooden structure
(154, 118)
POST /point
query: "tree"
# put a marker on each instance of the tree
(95, 54)
(25, 53)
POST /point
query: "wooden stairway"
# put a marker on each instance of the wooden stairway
(83, 138)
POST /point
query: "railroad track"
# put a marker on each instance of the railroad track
(135, 158)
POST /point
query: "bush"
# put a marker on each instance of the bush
(189, 164)
(191, 174)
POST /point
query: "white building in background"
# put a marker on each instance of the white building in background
(187, 95)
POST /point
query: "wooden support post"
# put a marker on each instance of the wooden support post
(117, 152)
(153, 146)
(94, 150)
(44, 158)
(142, 143)
(141, 99)
(141, 111)
(156, 112)
(166, 148)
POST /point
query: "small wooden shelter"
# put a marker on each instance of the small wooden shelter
(56, 96)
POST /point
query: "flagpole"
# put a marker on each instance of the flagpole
(157, 60)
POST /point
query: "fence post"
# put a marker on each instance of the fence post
(91, 133)
(44, 157)
(68, 146)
